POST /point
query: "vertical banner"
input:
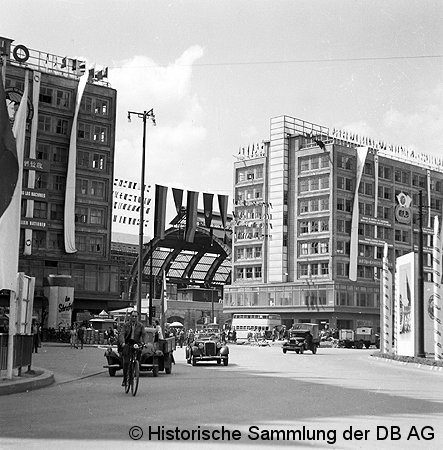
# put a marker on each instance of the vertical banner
(36, 77)
(191, 215)
(405, 289)
(223, 206)
(69, 215)
(436, 292)
(161, 193)
(428, 193)
(11, 175)
(353, 256)
(178, 198)
(386, 306)
(207, 206)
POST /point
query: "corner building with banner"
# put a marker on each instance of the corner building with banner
(68, 164)
(313, 208)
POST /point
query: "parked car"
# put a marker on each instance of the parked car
(362, 336)
(207, 347)
(156, 357)
(302, 336)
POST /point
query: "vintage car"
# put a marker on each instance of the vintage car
(207, 347)
(302, 336)
(156, 356)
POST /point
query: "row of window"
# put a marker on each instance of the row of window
(313, 226)
(85, 131)
(313, 248)
(249, 194)
(249, 213)
(313, 205)
(53, 240)
(313, 162)
(248, 273)
(309, 184)
(250, 173)
(307, 270)
(248, 253)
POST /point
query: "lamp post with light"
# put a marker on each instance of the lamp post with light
(142, 115)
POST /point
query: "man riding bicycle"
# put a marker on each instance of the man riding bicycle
(133, 332)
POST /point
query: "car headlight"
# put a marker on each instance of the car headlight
(218, 345)
(201, 346)
(135, 346)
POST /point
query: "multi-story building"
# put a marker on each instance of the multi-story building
(53, 86)
(298, 249)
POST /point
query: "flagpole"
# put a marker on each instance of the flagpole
(143, 115)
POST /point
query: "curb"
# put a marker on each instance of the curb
(29, 384)
(410, 364)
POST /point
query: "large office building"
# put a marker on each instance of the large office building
(53, 250)
(314, 208)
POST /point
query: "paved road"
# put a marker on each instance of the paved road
(323, 395)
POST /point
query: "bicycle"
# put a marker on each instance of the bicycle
(133, 375)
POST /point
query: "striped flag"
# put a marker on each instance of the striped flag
(11, 173)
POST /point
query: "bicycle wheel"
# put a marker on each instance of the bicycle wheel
(130, 378)
(135, 378)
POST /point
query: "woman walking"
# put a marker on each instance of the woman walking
(73, 333)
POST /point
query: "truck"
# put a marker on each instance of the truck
(299, 339)
(362, 336)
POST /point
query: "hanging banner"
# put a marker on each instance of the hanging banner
(69, 214)
(435, 305)
(386, 306)
(161, 193)
(353, 255)
(191, 215)
(405, 288)
(207, 207)
(178, 198)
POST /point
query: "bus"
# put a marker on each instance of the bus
(244, 323)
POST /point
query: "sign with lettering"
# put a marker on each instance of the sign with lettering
(33, 194)
(36, 164)
(33, 224)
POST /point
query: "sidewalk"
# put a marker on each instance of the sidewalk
(61, 365)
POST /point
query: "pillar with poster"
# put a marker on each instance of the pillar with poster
(59, 290)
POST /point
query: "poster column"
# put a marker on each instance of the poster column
(60, 294)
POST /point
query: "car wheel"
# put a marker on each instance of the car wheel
(168, 370)
(302, 350)
(155, 371)
(218, 361)
(194, 361)
(314, 349)
(225, 362)
(284, 350)
(112, 371)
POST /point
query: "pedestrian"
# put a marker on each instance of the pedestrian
(81, 335)
(181, 338)
(35, 336)
(73, 336)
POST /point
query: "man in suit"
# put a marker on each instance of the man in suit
(133, 332)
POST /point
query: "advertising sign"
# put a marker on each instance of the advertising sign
(61, 299)
(405, 288)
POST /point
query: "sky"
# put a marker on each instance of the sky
(216, 71)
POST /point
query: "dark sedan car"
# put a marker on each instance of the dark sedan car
(207, 347)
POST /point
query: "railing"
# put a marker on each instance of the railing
(22, 350)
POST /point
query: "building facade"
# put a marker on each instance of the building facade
(53, 89)
(313, 206)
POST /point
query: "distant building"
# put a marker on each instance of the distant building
(293, 226)
(53, 85)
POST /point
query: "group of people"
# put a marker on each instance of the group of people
(77, 335)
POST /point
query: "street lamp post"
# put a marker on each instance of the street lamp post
(142, 115)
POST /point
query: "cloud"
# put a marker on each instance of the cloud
(142, 84)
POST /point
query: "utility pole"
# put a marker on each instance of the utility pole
(421, 284)
(142, 115)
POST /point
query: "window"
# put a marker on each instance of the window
(304, 164)
(303, 270)
(315, 184)
(304, 248)
(303, 185)
(41, 180)
(82, 187)
(248, 272)
(98, 161)
(101, 107)
(63, 98)
(239, 273)
(324, 247)
(258, 252)
(324, 268)
(314, 205)
(100, 134)
(62, 126)
(44, 123)
(304, 206)
(45, 95)
(257, 272)
(324, 204)
(314, 248)
(55, 241)
(40, 210)
(42, 151)
(58, 182)
(60, 154)
(368, 168)
(304, 227)
(95, 244)
(86, 104)
(96, 216)
(57, 212)
(81, 214)
(97, 189)
(38, 239)
(82, 159)
(84, 131)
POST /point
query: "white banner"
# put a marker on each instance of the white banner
(353, 256)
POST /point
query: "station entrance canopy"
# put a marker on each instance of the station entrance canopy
(205, 262)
